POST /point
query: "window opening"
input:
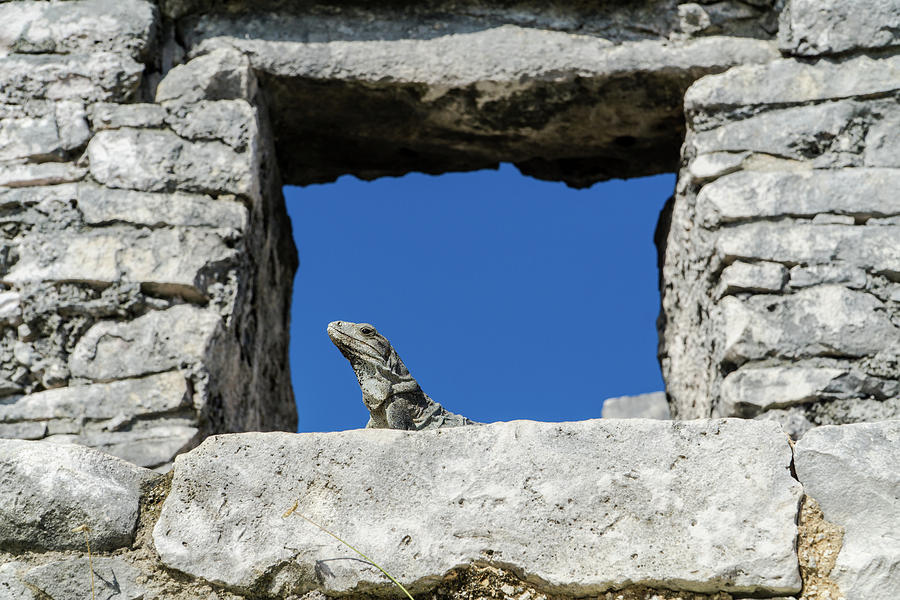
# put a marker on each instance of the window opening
(506, 297)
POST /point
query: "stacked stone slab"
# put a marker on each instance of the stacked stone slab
(146, 258)
(782, 266)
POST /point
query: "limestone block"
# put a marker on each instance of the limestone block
(96, 77)
(882, 143)
(132, 398)
(10, 307)
(101, 206)
(29, 137)
(155, 342)
(499, 54)
(125, 26)
(872, 248)
(49, 489)
(175, 261)
(829, 219)
(23, 430)
(788, 81)
(753, 277)
(846, 275)
(852, 471)
(160, 161)
(115, 116)
(223, 74)
(151, 444)
(716, 164)
(752, 194)
(794, 420)
(830, 134)
(231, 121)
(884, 221)
(710, 505)
(816, 27)
(14, 198)
(68, 579)
(71, 120)
(750, 391)
(11, 586)
(642, 406)
(51, 173)
(827, 320)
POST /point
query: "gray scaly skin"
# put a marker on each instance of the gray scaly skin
(393, 397)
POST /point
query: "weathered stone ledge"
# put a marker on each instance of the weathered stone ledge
(701, 509)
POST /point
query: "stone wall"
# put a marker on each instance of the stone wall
(146, 253)
(147, 263)
(781, 278)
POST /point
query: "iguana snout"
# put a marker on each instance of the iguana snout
(356, 340)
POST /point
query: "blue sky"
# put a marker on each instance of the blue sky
(506, 297)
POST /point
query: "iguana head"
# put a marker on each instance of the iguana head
(380, 371)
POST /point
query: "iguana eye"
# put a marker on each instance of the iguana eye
(366, 330)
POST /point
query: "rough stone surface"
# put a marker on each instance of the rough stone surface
(103, 233)
(564, 502)
(791, 82)
(177, 259)
(780, 245)
(158, 161)
(853, 474)
(819, 321)
(145, 421)
(96, 77)
(223, 74)
(125, 26)
(11, 587)
(116, 116)
(816, 27)
(746, 195)
(641, 406)
(849, 276)
(146, 264)
(128, 398)
(113, 579)
(158, 341)
(747, 392)
(870, 248)
(99, 206)
(753, 277)
(22, 174)
(48, 489)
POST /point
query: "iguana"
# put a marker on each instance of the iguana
(393, 397)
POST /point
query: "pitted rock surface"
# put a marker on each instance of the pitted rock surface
(853, 473)
(580, 507)
(50, 489)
